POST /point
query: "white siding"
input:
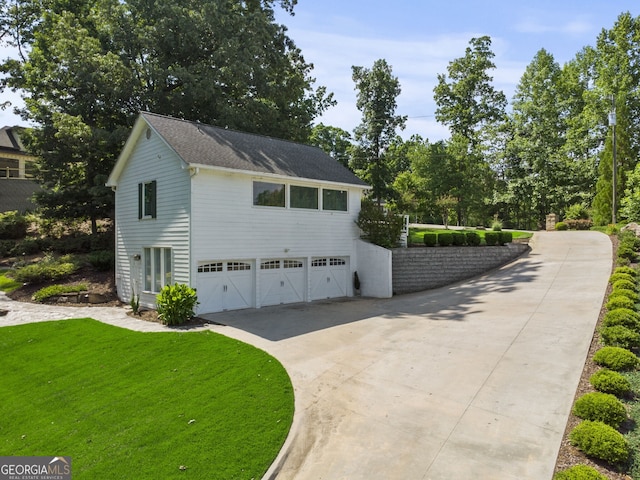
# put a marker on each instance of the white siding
(151, 160)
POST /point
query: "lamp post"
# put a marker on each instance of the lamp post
(612, 122)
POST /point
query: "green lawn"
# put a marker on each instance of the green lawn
(7, 284)
(416, 235)
(128, 405)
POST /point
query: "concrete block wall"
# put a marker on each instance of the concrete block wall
(422, 268)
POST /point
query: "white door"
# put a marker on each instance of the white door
(329, 277)
(282, 281)
(225, 285)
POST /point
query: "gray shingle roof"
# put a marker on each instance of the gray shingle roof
(15, 194)
(206, 145)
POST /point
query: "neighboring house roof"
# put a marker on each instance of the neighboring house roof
(206, 146)
(16, 193)
(10, 140)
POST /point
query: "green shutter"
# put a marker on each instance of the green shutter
(140, 195)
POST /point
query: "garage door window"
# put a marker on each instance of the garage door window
(270, 265)
(292, 264)
(210, 267)
(334, 200)
(319, 262)
(157, 269)
(238, 266)
(337, 261)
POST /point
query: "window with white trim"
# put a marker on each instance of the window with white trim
(270, 265)
(147, 193)
(157, 268)
(237, 266)
(319, 262)
(337, 261)
(303, 197)
(210, 267)
(292, 264)
(266, 194)
(334, 200)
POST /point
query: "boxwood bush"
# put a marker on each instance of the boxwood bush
(560, 226)
(491, 238)
(628, 270)
(624, 285)
(608, 381)
(505, 237)
(445, 239)
(616, 358)
(599, 440)
(430, 239)
(459, 239)
(579, 472)
(625, 292)
(619, 301)
(473, 238)
(622, 316)
(620, 336)
(601, 407)
(621, 276)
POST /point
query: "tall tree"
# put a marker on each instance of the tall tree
(89, 67)
(334, 141)
(467, 104)
(377, 90)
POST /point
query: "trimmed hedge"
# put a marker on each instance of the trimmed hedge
(616, 358)
(620, 336)
(491, 238)
(599, 440)
(473, 238)
(505, 237)
(601, 407)
(445, 239)
(459, 239)
(608, 381)
(579, 472)
(560, 226)
(430, 239)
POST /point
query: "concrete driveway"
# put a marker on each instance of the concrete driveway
(471, 381)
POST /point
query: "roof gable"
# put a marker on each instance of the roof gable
(206, 146)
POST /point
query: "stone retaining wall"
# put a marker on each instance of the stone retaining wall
(422, 268)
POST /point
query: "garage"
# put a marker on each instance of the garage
(329, 277)
(225, 285)
(282, 281)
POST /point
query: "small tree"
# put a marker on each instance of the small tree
(379, 226)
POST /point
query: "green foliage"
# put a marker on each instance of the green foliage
(176, 304)
(627, 252)
(627, 270)
(579, 472)
(625, 285)
(577, 211)
(50, 269)
(619, 301)
(473, 239)
(54, 290)
(430, 239)
(620, 336)
(560, 226)
(505, 237)
(601, 441)
(601, 407)
(7, 284)
(616, 358)
(496, 226)
(459, 239)
(102, 260)
(378, 226)
(491, 238)
(13, 226)
(621, 276)
(622, 316)
(623, 292)
(445, 239)
(608, 381)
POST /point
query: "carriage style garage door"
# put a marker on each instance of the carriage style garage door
(329, 277)
(282, 281)
(225, 285)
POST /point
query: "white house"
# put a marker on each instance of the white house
(245, 219)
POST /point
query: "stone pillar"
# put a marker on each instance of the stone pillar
(552, 219)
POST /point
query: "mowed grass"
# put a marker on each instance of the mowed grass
(123, 405)
(7, 284)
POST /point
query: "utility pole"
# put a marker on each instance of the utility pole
(612, 122)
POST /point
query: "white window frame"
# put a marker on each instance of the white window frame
(157, 268)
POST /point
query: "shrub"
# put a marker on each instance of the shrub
(625, 285)
(576, 211)
(579, 472)
(505, 237)
(53, 290)
(620, 336)
(49, 269)
(627, 252)
(445, 239)
(496, 226)
(620, 301)
(616, 358)
(176, 304)
(473, 238)
(102, 260)
(608, 381)
(378, 226)
(459, 238)
(491, 238)
(600, 407)
(599, 440)
(622, 316)
(624, 292)
(561, 226)
(582, 224)
(28, 246)
(430, 239)
(628, 270)
(6, 247)
(621, 276)
(13, 226)
(629, 238)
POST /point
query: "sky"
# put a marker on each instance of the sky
(419, 38)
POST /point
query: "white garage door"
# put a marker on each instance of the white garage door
(329, 277)
(282, 281)
(225, 285)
